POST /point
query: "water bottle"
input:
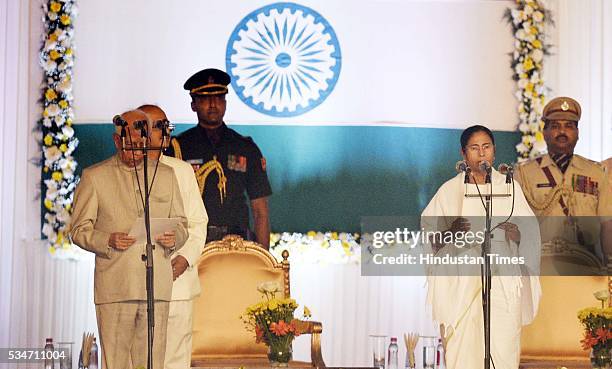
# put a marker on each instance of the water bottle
(440, 363)
(49, 353)
(392, 354)
(80, 365)
(93, 355)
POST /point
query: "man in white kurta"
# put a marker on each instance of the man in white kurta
(186, 284)
(456, 299)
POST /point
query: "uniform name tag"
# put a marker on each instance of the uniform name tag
(544, 185)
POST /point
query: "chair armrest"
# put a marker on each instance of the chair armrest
(314, 329)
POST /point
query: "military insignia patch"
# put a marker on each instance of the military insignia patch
(585, 184)
(237, 163)
(263, 164)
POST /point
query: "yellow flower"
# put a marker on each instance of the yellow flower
(528, 64)
(530, 86)
(311, 234)
(51, 250)
(50, 94)
(48, 140)
(68, 207)
(46, 169)
(533, 30)
(55, 6)
(63, 148)
(65, 19)
(63, 104)
(48, 204)
(53, 37)
(68, 51)
(69, 121)
(45, 113)
(57, 176)
(334, 235)
(537, 44)
(54, 54)
(307, 313)
(539, 136)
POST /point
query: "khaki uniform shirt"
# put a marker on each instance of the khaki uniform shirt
(108, 200)
(582, 191)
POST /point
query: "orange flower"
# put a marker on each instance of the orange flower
(259, 335)
(589, 341)
(293, 328)
(280, 329)
(603, 334)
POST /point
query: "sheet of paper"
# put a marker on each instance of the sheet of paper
(158, 226)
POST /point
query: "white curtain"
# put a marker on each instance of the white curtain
(39, 296)
(581, 67)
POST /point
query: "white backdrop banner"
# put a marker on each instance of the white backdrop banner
(422, 63)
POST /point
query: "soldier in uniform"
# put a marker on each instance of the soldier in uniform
(227, 165)
(570, 194)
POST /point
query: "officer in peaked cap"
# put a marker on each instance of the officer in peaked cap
(565, 188)
(228, 166)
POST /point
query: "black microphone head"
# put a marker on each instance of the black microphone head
(504, 168)
(118, 121)
(484, 165)
(461, 166)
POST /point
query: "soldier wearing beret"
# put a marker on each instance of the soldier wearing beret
(564, 189)
(228, 166)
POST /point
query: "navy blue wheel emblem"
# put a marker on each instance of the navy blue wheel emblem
(284, 59)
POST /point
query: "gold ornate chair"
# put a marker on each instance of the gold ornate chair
(230, 271)
(553, 339)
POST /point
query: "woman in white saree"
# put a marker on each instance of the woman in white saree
(456, 297)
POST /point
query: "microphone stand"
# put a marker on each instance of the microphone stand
(486, 273)
(148, 257)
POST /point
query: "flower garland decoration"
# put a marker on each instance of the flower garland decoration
(58, 140)
(317, 247)
(528, 20)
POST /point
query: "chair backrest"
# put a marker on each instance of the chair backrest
(555, 333)
(230, 271)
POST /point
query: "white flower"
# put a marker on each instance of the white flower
(522, 83)
(59, 121)
(50, 65)
(537, 55)
(47, 229)
(538, 16)
(539, 146)
(52, 16)
(51, 193)
(68, 131)
(53, 110)
(523, 127)
(268, 287)
(47, 122)
(528, 10)
(520, 34)
(52, 153)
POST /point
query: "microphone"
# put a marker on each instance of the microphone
(462, 166)
(485, 166)
(508, 170)
(120, 122)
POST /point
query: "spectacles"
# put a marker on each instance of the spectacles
(476, 148)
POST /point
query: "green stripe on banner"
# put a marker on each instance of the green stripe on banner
(328, 177)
